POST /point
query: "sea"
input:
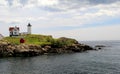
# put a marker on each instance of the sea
(104, 61)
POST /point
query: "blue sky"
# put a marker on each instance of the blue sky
(79, 19)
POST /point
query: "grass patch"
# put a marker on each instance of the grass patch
(41, 40)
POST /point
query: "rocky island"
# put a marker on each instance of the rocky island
(39, 44)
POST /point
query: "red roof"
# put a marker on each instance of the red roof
(12, 28)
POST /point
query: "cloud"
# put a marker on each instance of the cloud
(71, 16)
(47, 2)
(102, 1)
(58, 5)
(93, 33)
(66, 5)
(33, 3)
(75, 13)
(3, 3)
(16, 3)
(61, 4)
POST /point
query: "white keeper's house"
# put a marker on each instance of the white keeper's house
(14, 31)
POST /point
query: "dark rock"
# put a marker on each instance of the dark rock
(97, 47)
(23, 50)
(100, 46)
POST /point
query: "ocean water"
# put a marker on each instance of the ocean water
(105, 61)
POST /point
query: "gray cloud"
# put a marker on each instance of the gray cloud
(24, 2)
(10, 2)
(88, 2)
(73, 2)
(52, 9)
(102, 1)
(65, 5)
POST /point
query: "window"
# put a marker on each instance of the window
(15, 33)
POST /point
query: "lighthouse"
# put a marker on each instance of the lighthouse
(29, 28)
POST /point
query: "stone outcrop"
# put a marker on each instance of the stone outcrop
(11, 50)
(97, 47)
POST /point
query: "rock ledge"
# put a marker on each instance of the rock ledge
(11, 50)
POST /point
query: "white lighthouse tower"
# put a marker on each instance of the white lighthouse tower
(29, 28)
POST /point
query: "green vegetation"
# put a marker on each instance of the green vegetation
(42, 40)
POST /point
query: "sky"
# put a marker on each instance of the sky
(78, 19)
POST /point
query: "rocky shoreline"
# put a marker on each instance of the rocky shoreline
(25, 50)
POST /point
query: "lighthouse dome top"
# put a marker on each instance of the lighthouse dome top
(29, 24)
